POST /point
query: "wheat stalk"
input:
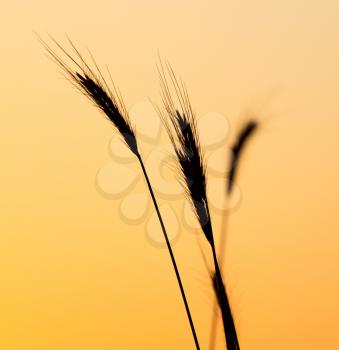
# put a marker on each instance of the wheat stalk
(92, 84)
(180, 123)
(244, 135)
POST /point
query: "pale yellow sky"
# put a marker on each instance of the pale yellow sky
(74, 275)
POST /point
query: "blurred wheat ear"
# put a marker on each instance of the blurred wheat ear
(180, 122)
(91, 82)
(245, 133)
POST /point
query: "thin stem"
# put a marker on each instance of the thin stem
(229, 327)
(226, 312)
(214, 329)
(171, 253)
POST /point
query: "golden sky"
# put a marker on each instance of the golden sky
(74, 275)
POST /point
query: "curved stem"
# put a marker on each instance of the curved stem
(171, 253)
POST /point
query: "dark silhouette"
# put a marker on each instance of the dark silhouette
(93, 85)
(182, 131)
(244, 135)
(237, 149)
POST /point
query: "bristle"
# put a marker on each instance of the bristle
(93, 85)
(244, 135)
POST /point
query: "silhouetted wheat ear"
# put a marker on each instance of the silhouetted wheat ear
(91, 82)
(237, 149)
(93, 85)
(180, 123)
(183, 134)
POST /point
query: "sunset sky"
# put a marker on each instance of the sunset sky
(74, 274)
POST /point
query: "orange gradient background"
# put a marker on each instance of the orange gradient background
(74, 276)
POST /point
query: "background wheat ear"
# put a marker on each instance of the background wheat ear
(245, 133)
(91, 82)
(180, 123)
